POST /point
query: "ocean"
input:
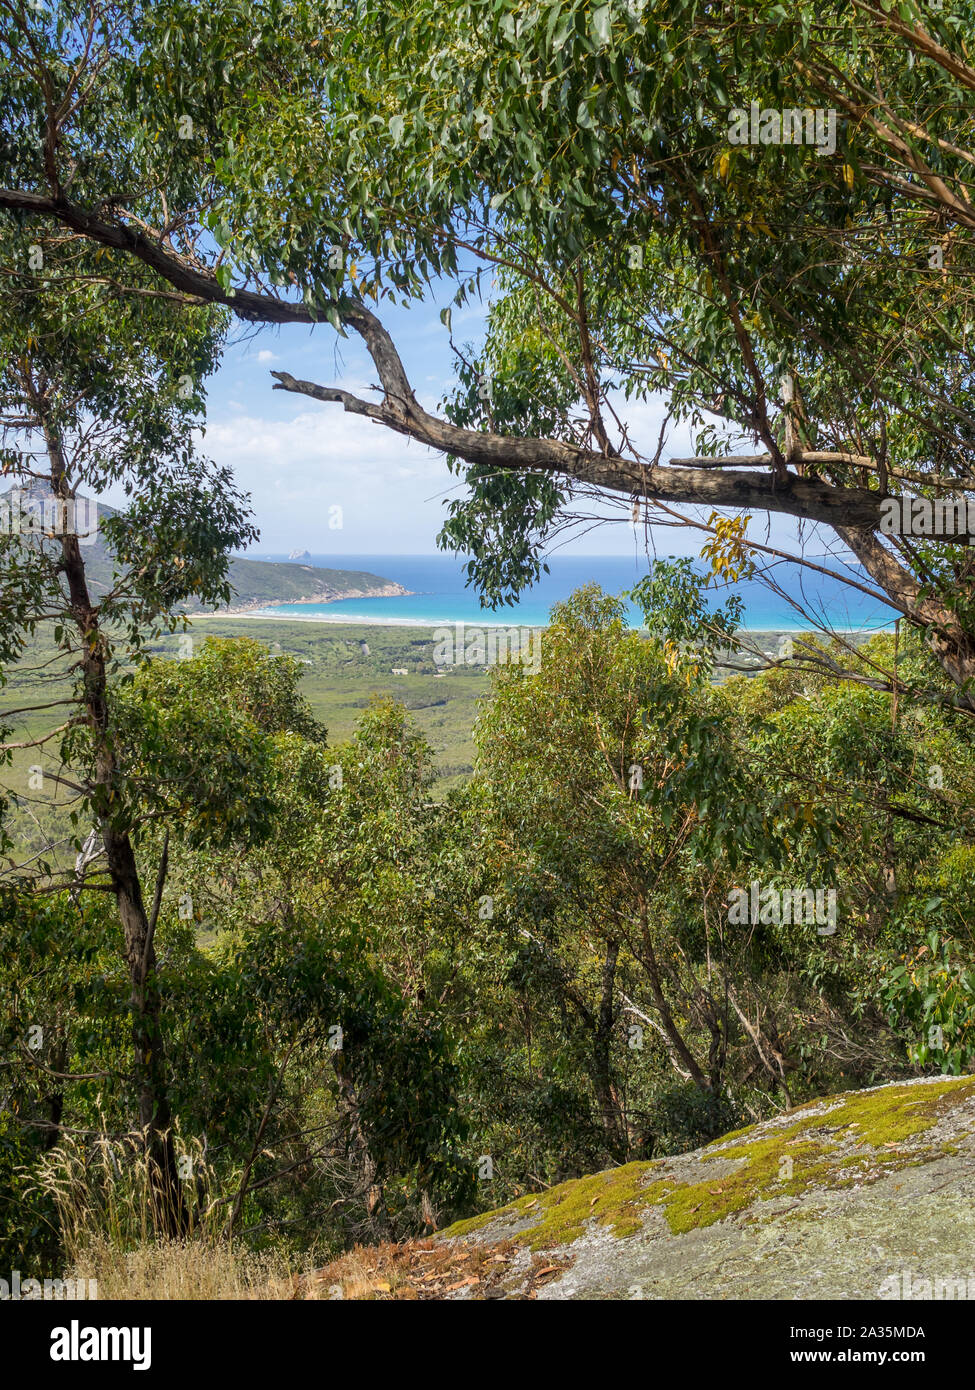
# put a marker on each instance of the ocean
(438, 595)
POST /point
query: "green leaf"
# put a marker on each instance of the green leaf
(602, 23)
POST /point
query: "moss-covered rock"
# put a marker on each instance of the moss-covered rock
(771, 1211)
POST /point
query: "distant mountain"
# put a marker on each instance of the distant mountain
(255, 582)
(300, 555)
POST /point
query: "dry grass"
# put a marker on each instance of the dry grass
(110, 1227)
(102, 1190)
(198, 1270)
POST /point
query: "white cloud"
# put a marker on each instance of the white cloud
(295, 470)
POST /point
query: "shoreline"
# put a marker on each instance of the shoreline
(349, 620)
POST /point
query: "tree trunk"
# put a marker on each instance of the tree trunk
(155, 1117)
(648, 959)
(607, 1098)
(368, 1185)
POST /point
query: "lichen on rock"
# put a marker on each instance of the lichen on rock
(788, 1185)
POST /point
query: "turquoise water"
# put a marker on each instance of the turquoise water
(439, 597)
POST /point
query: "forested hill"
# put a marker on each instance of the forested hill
(258, 582)
(255, 582)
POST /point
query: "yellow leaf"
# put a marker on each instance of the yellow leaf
(848, 175)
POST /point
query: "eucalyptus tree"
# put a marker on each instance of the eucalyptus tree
(622, 804)
(100, 389)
